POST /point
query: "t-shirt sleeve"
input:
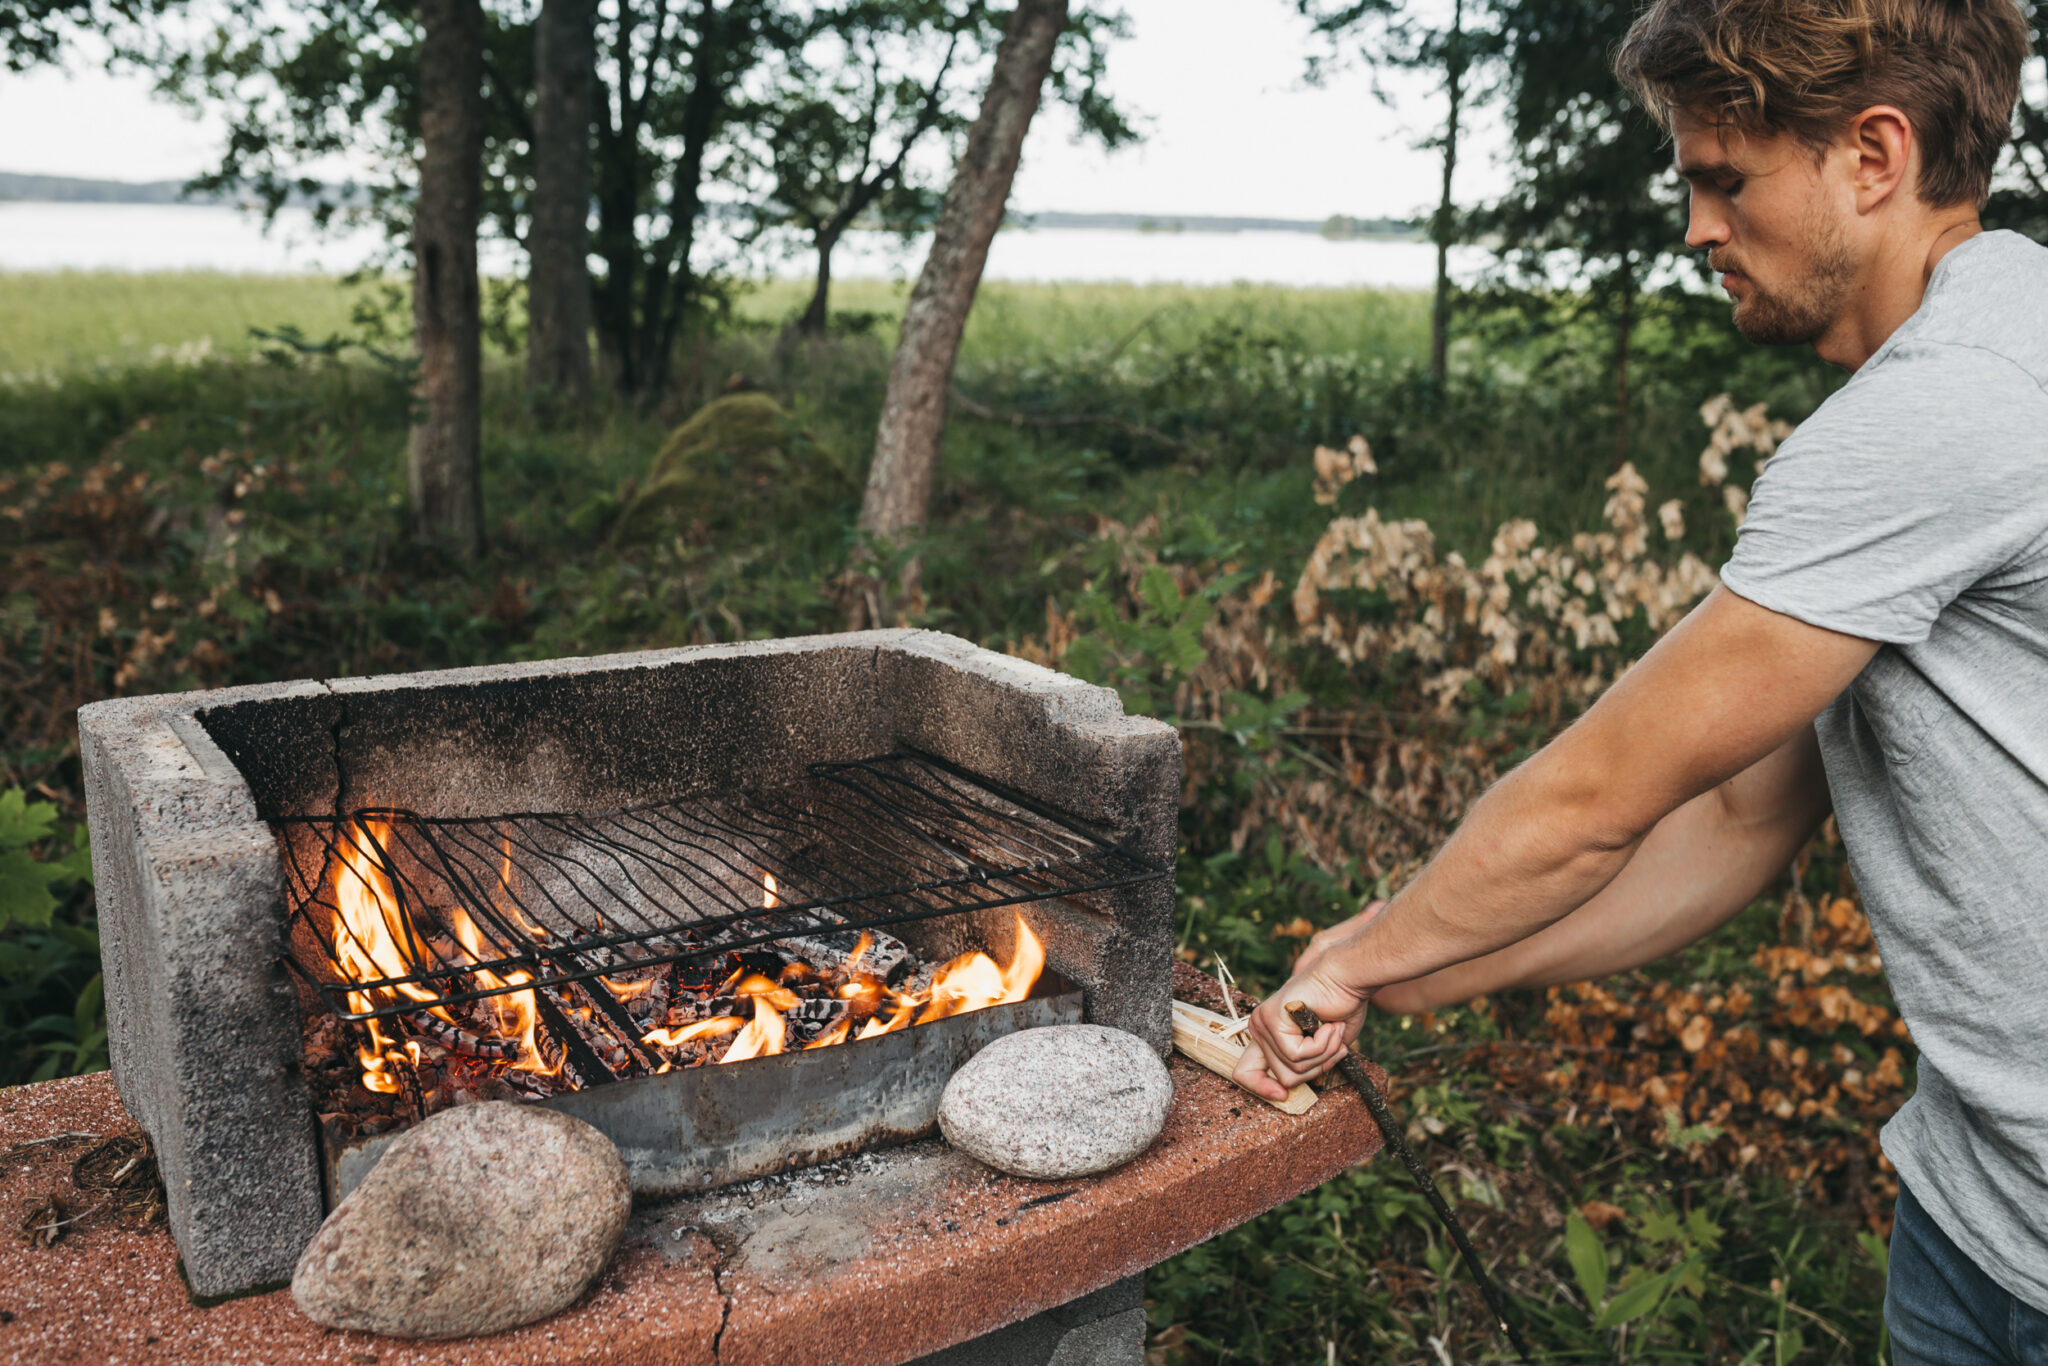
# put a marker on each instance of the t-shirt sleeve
(1918, 479)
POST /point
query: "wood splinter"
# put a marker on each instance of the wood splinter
(1214, 1041)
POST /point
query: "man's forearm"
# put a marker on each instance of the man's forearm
(1524, 858)
(1699, 867)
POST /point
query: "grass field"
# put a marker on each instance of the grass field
(61, 321)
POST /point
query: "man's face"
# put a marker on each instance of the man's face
(1775, 223)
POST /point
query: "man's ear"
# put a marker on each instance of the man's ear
(1884, 149)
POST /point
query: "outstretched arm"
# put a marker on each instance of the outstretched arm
(1700, 866)
(1726, 690)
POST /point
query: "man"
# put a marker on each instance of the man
(1878, 647)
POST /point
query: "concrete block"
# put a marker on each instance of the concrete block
(203, 1029)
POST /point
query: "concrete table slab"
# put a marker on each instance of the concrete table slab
(880, 1258)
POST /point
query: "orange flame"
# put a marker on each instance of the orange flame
(777, 996)
(517, 1013)
(628, 991)
(970, 982)
(763, 1036)
(372, 941)
(702, 1029)
(836, 1034)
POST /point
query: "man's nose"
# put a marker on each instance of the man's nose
(1705, 225)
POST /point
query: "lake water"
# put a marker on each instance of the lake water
(139, 237)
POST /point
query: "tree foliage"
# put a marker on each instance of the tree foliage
(33, 32)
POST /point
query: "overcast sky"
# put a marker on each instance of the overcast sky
(1230, 127)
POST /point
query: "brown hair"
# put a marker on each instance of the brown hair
(1806, 67)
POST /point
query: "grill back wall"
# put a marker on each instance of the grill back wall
(203, 1021)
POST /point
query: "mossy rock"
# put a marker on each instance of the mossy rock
(739, 455)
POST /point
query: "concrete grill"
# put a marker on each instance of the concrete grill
(204, 1017)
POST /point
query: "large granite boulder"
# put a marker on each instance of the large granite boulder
(480, 1219)
(1057, 1102)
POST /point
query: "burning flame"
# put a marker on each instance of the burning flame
(763, 1035)
(970, 982)
(516, 1013)
(836, 1034)
(373, 940)
(703, 1029)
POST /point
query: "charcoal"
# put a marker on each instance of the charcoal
(460, 1040)
(829, 951)
(821, 1012)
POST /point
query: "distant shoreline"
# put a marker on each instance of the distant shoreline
(17, 188)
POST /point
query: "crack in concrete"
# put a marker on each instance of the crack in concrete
(719, 1256)
(724, 1310)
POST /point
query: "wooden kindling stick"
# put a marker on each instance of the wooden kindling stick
(1353, 1071)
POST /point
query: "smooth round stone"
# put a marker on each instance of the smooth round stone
(1062, 1101)
(481, 1219)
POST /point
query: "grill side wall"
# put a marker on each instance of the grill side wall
(202, 1026)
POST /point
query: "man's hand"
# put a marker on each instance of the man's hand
(1276, 1056)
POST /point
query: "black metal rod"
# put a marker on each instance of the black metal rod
(566, 897)
(1353, 1071)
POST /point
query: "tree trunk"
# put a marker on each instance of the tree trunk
(670, 282)
(812, 322)
(619, 172)
(1622, 336)
(899, 490)
(447, 495)
(1441, 227)
(558, 235)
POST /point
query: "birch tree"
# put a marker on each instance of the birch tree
(899, 489)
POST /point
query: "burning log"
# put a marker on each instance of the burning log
(458, 1040)
(845, 952)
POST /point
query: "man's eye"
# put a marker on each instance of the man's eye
(1731, 188)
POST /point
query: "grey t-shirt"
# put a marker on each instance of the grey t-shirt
(1912, 509)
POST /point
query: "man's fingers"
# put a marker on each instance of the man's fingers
(1290, 1059)
(1251, 1074)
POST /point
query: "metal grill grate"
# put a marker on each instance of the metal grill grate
(561, 898)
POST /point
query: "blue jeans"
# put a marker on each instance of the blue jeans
(1941, 1310)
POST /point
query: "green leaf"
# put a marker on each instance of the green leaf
(1660, 1226)
(1706, 1233)
(1790, 1344)
(1583, 1250)
(86, 1014)
(23, 822)
(25, 889)
(1161, 593)
(1632, 1303)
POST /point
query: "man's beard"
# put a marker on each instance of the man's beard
(1804, 311)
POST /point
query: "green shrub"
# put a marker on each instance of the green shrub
(50, 997)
